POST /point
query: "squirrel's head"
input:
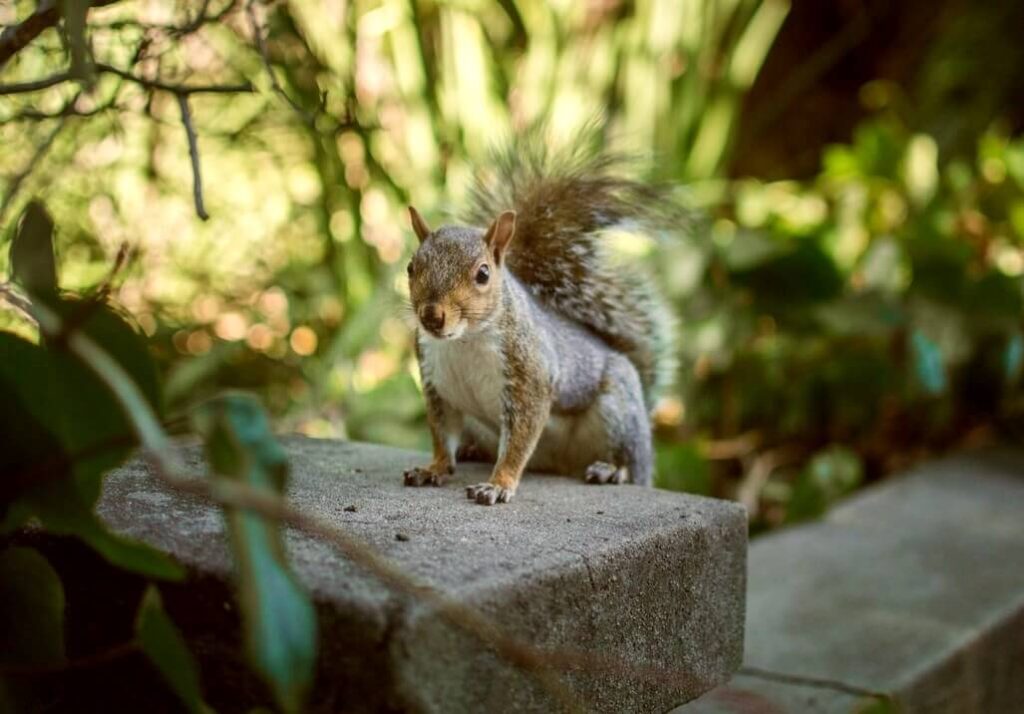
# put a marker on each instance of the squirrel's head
(456, 273)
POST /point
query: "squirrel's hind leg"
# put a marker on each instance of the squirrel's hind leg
(627, 428)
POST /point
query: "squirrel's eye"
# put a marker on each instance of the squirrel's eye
(483, 274)
(408, 269)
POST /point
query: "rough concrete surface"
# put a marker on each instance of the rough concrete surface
(649, 579)
(913, 590)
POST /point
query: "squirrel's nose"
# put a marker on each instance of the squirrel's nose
(432, 317)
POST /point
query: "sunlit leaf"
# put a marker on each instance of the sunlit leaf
(280, 623)
(160, 639)
(33, 265)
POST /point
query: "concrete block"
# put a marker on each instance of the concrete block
(646, 578)
(914, 590)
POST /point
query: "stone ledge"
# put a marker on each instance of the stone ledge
(631, 573)
(914, 590)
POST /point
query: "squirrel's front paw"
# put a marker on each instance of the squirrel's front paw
(602, 472)
(487, 494)
(423, 476)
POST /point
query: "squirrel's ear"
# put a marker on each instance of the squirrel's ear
(500, 233)
(418, 224)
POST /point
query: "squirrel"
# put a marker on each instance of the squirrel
(535, 348)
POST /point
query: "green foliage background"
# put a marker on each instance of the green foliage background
(840, 309)
(835, 325)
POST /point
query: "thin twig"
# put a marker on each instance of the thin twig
(155, 84)
(734, 448)
(193, 153)
(241, 88)
(120, 260)
(36, 85)
(761, 468)
(261, 47)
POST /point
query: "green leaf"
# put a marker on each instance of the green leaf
(31, 453)
(31, 609)
(929, 367)
(63, 509)
(90, 422)
(33, 265)
(280, 623)
(31, 627)
(160, 639)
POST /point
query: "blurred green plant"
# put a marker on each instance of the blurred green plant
(72, 406)
(852, 322)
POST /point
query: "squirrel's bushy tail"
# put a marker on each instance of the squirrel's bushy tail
(564, 198)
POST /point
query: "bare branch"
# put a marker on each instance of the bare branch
(14, 38)
(46, 82)
(241, 88)
(193, 153)
(124, 255)
(35, 85)
(261, 47)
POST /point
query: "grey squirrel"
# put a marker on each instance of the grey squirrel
(535, 347)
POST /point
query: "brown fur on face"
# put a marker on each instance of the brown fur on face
(444, 276)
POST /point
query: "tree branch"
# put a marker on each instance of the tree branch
(193, 153)
(14, 38)
(59, 78)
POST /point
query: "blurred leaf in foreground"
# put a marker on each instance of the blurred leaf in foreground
(31, 609)
(65, 421)
(160, 639)
(279, 620)
(31, 624)
(33, 265)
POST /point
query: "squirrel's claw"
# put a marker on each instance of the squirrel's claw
(418, 476)
(602, 472)
(487, 494)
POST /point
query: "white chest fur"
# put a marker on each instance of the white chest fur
(467, 373)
